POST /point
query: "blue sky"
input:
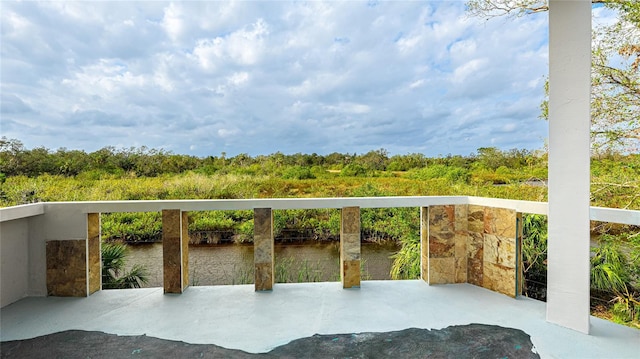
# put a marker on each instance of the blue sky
(252, 77)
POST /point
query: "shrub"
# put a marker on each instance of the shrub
(354, 170)
(453, 174)
(113, 264)
(298, 173)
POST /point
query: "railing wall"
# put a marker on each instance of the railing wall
(35, 240)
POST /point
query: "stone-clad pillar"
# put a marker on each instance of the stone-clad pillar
(424, 243)
(94, 252)
(185, 249)
(263, 252)
(447, 245)
(350, 247)
(175, 250)
(519, 239)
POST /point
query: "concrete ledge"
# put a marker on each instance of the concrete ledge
(614, 215)
(23, 211)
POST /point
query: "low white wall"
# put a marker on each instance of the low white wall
(14, 260)
(24, 232)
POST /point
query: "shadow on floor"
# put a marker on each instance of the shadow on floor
(464, 341)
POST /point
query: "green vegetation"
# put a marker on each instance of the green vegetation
(615, 75)
(615, 278)
(113, 264)
(40, 174)
(534, 256)
(615, 271)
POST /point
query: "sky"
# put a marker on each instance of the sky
(260, 77)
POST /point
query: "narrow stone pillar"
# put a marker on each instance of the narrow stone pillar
(94, 252)
(442, 244)
(175, 250)
(185, 249)
(519, 268)
(569, 157)
(424, 243)
(263, 252)
(350, 247)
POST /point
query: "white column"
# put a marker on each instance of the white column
(569, 175)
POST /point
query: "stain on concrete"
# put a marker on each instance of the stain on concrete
(463, 341)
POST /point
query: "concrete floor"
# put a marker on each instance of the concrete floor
(236, 317)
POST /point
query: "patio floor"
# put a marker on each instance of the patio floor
(236, 317)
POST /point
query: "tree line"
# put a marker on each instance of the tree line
(17, 160)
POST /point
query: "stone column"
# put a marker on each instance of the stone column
(94, 252)
(185, 249)
(175, 250)
(569, 157)
(424, 243)
(442, 244)
(350, 247)
(519, 269)
(499, 250)
(263, 252)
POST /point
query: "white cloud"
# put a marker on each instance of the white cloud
(349, 108)
(469, 69)
(224, 132)
(242, 47)
(261, 77)
(173, 21)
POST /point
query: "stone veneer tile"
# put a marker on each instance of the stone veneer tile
(424, 243)
(500, 221)
(351, 274)
(461, 218)
(461, 270)
(500, 250)
(475, 244)
(507, 252)
(476, 218)
(424, 268)
(67, 268)
(263, 222)
(475, 271)
(490, 248)
(442, 231)
(264, 276)
(350, 218)
(185, 250)
(441, 245)
(461, 257)
(442, 270)
(460, 246)
(520, 282)
(263, 244)
(442, 219)
(350, 247)
(500, 279)
(95, 255)
(172, 258)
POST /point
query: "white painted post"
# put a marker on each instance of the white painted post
(569, 174)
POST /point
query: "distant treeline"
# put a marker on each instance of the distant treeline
(17, 160)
